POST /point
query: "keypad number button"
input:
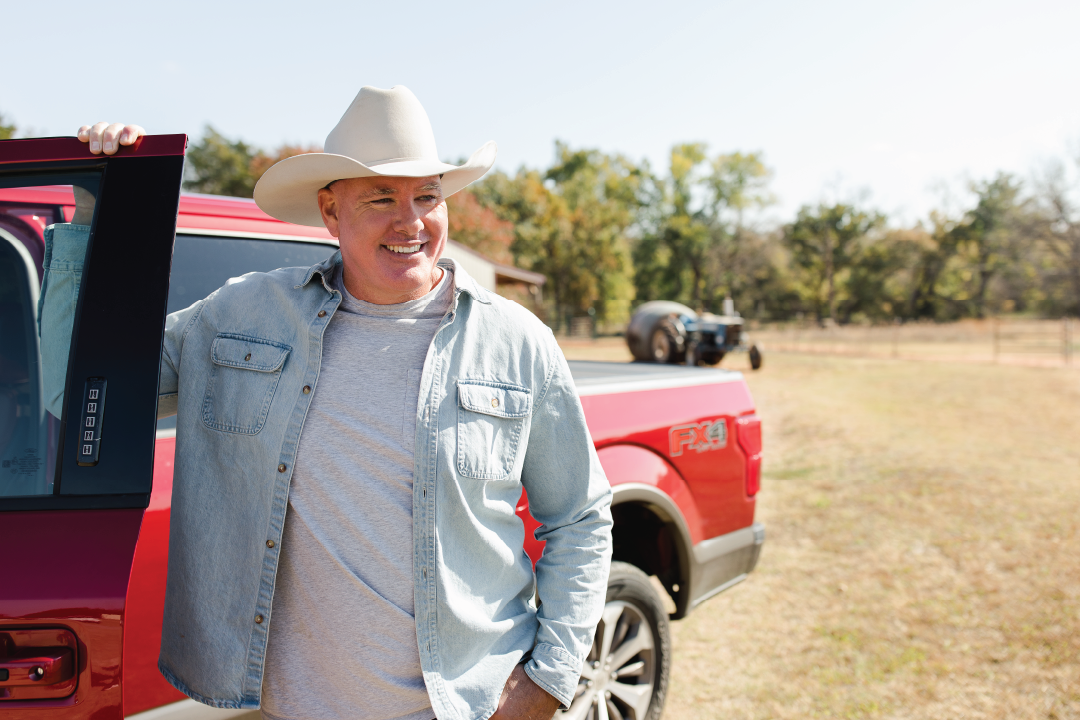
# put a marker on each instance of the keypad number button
(93, 414)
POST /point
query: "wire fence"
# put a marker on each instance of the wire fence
(1007, 341)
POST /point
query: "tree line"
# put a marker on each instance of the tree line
(610, 232)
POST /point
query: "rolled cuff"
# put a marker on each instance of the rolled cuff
(68, 243)
(555, 671)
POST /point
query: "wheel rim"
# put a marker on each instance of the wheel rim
(619, 675)
(661, 346)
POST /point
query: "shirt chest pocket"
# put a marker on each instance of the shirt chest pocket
(244, 376)
(491, 417)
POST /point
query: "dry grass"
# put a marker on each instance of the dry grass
(922, 555)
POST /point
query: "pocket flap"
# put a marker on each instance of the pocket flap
(495, 399)
(248, 353)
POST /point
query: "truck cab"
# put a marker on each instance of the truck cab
(85, 494)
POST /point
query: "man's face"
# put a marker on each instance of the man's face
(392, 231)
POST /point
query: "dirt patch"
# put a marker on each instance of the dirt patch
(922, 557)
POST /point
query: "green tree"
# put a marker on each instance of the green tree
(6, 131)
(572, 223)
(825, 242)
(220, 167)
(991, 237)
(671, 258)
(738, 182)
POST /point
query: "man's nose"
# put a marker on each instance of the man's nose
(409, 222)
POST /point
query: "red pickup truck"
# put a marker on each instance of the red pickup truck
(84, 514)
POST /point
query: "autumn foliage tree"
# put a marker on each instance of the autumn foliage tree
(219, 166)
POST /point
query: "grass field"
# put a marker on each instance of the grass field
(923, 551)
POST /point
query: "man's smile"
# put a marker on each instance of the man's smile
(405, 249)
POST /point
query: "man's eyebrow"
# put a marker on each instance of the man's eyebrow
(380, 191)
(433, 185)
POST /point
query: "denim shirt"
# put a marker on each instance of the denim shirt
(498, 413)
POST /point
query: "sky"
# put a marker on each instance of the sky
(897, 106)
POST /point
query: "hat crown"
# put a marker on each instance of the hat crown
(383, 125)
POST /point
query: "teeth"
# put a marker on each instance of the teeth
(404, 249)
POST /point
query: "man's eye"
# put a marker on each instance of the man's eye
(382, 201)
(428, 198)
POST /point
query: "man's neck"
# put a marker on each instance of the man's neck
(360, 291)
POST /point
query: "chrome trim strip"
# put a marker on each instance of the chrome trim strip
(164, 434)
(719, 589)
(708, 550)
(330, 242)
(661, 383)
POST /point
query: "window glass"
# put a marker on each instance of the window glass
(202, 264)
(33, 366)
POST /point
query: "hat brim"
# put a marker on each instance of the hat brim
(289, 190)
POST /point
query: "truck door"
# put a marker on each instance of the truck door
(78, 406)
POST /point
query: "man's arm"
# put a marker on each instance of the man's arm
(570, 496)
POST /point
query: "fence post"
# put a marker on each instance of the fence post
(1066, 332)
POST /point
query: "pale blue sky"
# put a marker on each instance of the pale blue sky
(887, 101)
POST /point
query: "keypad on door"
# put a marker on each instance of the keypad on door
(93, 409)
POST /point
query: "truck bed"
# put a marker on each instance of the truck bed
(602, 378)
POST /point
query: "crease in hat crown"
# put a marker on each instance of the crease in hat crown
(383, 132)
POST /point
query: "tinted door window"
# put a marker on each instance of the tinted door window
(29, 386)
(202, 264)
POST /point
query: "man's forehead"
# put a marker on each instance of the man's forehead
(392, 186)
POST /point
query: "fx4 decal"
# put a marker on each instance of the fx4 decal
(708, 435)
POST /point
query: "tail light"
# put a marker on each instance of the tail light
(749, 433)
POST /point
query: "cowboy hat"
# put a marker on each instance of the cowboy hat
(384, 132)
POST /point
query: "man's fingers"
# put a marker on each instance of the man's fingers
(110, 139)
(130, 134)
(94, 136)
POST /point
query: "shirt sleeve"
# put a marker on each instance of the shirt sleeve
(571, 498)
(65, 253)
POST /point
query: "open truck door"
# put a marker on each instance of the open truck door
(77, 434)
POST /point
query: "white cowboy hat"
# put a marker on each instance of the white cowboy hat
(384, 132)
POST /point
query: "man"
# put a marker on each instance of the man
(352, 439)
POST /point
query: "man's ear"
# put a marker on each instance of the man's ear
(328, 206)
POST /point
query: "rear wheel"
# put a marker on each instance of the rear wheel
(625, 675)
(666, 344)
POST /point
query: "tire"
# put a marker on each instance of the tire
(666, 344)
(635, 633)
(755, 357)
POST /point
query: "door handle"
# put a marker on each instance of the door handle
(37, 664)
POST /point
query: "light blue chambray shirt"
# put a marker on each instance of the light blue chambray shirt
(498, 412)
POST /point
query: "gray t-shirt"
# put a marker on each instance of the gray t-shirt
(342, 641)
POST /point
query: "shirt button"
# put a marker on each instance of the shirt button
(269, 543)
(424, 572)
(247, 357)
(307, 389)
(494, 402)
(322, 313)
(258, 619)
(282, 467)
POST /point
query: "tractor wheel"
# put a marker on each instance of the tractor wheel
(755, 357)
(665, 345)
